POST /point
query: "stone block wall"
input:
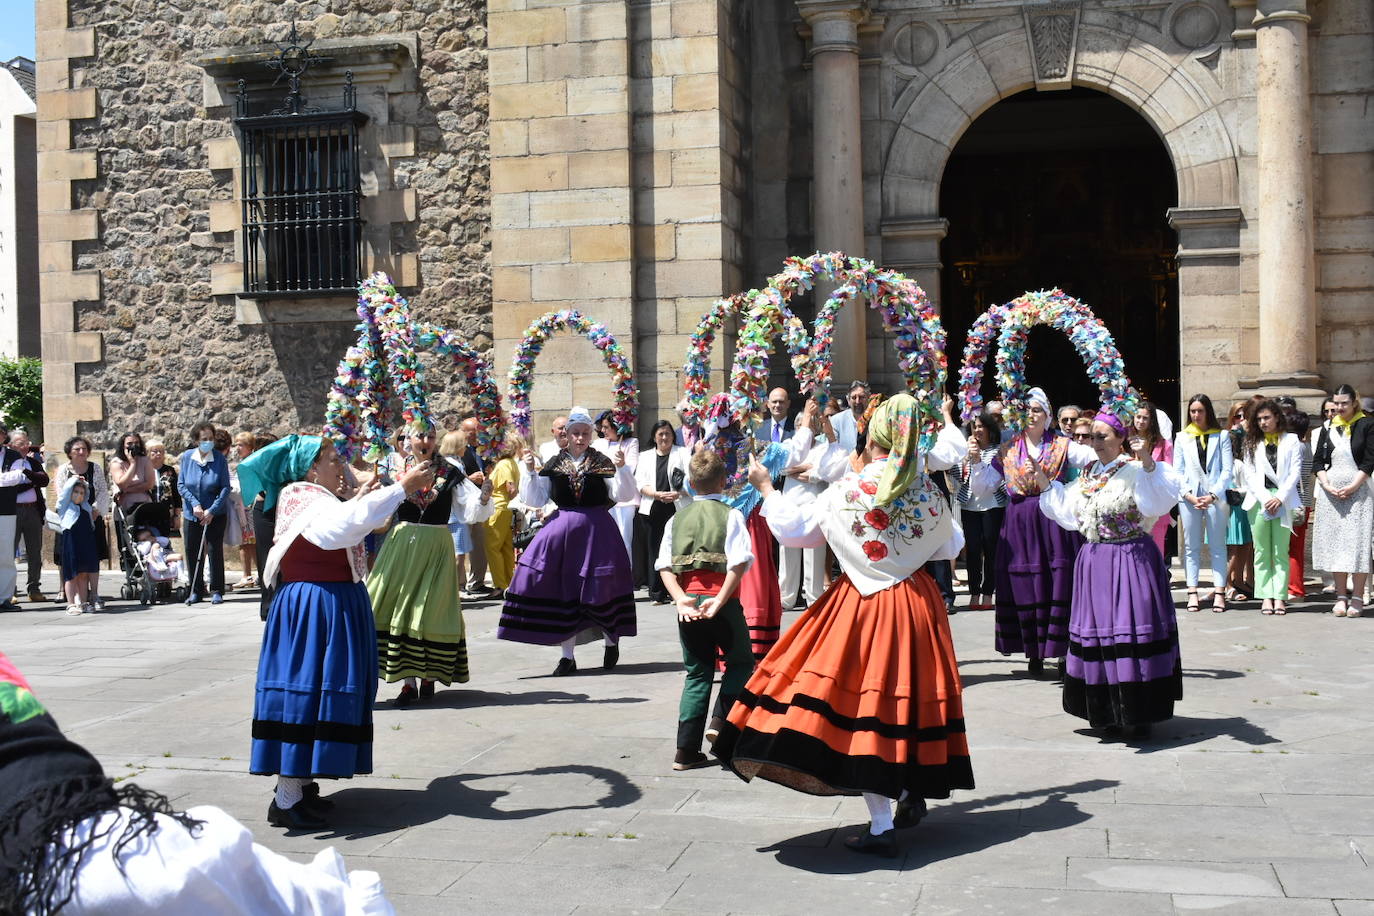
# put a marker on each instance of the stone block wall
(139, 187)
(1342, 101)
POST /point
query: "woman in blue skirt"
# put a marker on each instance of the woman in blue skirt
(317, 671)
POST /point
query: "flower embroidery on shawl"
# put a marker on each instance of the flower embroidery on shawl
(903, 521)
(875, 550)
(877, 519)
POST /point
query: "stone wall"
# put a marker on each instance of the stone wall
(152, 168)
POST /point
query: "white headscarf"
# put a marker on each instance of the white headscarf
(1038, 396)
(579, 415)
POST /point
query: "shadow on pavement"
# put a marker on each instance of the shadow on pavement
(1213, 674)
(950, 831)
(459, 698)
(364, 812)
(1183, 730)
(623, 668)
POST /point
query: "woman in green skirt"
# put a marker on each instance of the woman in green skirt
(414, 584)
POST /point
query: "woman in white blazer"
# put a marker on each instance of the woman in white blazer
(661, 477)
(1269, 467)
(1202, 461)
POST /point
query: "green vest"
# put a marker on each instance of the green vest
(699, 537)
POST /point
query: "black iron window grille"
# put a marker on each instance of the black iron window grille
(302, 190)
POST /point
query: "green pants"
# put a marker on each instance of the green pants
(1271, 553)
(700, 640)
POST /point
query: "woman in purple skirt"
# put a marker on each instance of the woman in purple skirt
(1123, 669)
(573, 581)
(1034, 571)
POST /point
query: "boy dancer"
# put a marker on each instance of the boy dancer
(704, 553)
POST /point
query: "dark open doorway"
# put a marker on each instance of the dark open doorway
(1066, 189)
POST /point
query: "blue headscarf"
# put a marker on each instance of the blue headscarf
(274, 466)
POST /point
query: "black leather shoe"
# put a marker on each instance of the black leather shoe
(1035, 667)
(297, 817)
(884, 844)
(909, 813)
(565, 667)
(406, 696)
(687, 759)
(9, 606)
(314, 799)
(426, 690)
(610, 657)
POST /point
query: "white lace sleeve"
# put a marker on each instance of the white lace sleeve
(1060, 505)
(467, 504)
(534, 488)
(832, 464)
(347, 523)
(791, 524)
(1158, 491)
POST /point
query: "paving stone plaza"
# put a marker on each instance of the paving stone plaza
(524, 793)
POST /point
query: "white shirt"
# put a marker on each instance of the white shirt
(336, 524)
(547, 450)
(739, 551)
(631, 448)
(846, 427)
(1153, 493)
(534, 487)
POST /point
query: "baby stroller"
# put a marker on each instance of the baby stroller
(140, 581)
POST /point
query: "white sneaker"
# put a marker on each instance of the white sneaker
(74, 610)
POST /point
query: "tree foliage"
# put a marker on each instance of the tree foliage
(21, 392)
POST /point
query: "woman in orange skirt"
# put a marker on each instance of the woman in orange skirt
(862, 695)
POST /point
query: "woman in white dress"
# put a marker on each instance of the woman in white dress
(1343, 463)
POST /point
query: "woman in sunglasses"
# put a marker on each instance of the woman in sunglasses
(1123, 669)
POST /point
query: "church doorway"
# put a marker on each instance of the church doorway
(1066, 189)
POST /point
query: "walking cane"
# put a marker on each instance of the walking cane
(200, 556)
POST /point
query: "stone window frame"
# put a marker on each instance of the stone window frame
(383, 67)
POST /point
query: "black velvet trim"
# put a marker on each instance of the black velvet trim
(312, 732)
(1124, 705)
(429, 645)
(1111, 653)
(527, 604)
(893, 730)
(820, 770)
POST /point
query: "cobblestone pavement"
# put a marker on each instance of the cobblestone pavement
(524, 793)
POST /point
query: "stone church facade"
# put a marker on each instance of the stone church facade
(638, 158)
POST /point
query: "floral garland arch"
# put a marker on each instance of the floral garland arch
(906, 313)
(981, 338)
(1089, 336)
(384, 366)
(521, 375)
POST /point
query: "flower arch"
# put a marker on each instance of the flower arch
(1089, 336)
(384, 367)
(521, 375)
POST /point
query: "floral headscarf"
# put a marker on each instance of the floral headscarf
(896, 427)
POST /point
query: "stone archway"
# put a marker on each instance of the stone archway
(941, 73)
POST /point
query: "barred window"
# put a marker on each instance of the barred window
(302, 203)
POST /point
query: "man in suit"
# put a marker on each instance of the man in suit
(29, 511)
(778, 425)
(846, 422)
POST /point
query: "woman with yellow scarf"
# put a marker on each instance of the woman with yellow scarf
(862, 695)
(1202, 455)
(1268, 470)
(1343, 463)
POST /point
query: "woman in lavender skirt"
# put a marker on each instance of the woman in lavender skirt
(1123, 669)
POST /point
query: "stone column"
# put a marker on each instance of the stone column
(1287, 288)
(837, 184)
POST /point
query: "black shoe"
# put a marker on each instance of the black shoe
(884, 844)
(909, 812)
(951, 609)
(314, 799)
(566, 666)
(1035, 667)
(426, 689)
(687, 759)
(297, 817)
(8, 605)
(405, 697)
(610, 657)
(713, 729)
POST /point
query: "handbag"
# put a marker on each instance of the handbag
(675, 479)
(1235, 498)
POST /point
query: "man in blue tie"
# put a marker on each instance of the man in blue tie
(778, 426)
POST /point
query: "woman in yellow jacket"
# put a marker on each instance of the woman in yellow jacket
(505, 483)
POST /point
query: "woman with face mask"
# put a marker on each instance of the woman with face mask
(1035, 556)
(204, 485)
(1123, 669)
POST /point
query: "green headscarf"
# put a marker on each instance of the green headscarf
(274, 466)
(896, 427)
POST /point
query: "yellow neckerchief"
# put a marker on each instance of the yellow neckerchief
(1193, 429)
(1271, 438)
(1341, 425)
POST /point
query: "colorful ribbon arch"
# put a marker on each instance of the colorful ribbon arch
(981, 338)
(906, 313)
(521, 374)
(384, 367)
(696, 374)
(1089, 336)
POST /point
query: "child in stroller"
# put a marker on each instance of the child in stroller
(152, 572)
